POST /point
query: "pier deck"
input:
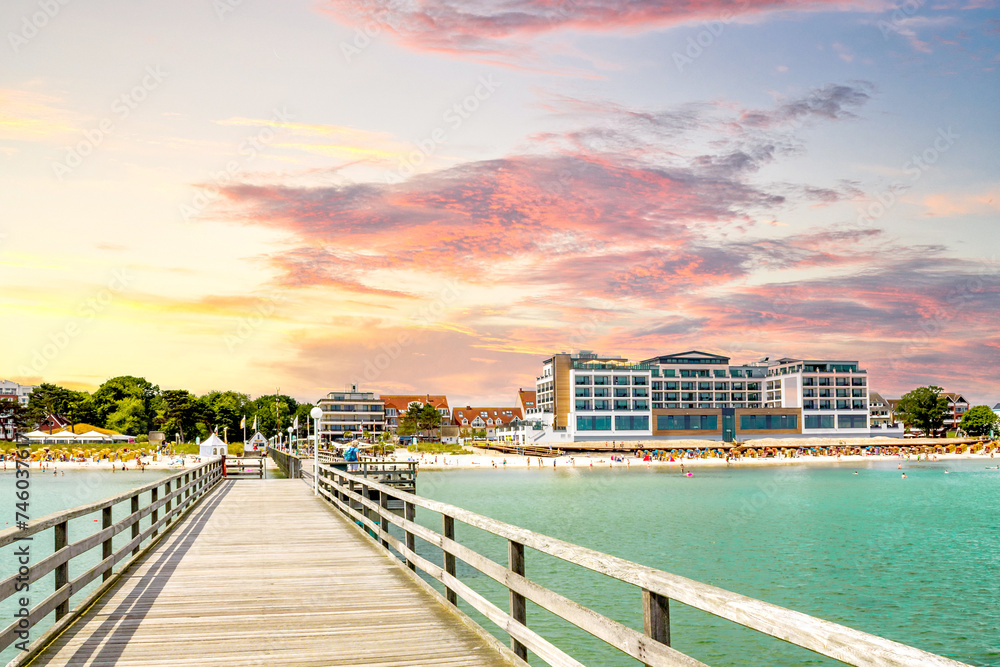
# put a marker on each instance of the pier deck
(263, 573)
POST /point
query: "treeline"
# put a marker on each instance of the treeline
(133, 405)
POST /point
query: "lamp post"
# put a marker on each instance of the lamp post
(289, 439)
(316, 413)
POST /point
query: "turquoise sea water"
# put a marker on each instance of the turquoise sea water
(916, 560)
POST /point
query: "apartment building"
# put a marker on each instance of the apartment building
(586, 396)
(880, 413)
(833, 395)
(351, 414)
(957, 407)
(12, 391)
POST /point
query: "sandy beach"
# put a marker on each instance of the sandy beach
(626, 458)
(694, 455)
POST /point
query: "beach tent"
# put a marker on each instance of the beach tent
(61, 436)
(35, 436)
(93, 436)
(212, 446)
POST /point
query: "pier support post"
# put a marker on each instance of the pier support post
(106, 546)
(166, 508)
(656, 616)
(135, 526)
(154, 495)
(62, 571)
(410, 513)
(449, 559)
(383, 523)
(518, 609)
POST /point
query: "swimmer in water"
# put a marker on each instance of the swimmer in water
(904, 475)
(855, 472)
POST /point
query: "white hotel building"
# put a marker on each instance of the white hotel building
(586, 396)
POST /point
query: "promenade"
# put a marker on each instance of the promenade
(264, 573)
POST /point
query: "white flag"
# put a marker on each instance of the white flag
(295, 425)
(255, 423)
(243, 422)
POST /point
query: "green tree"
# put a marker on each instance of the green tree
(979, 420)
(269, 423)
(419, 418)
(924, 409)
(225, 409)
(109, 395)
(178, 411)
(76, 406)
(129, 416)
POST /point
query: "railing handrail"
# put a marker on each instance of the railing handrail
(10, 535)
(840, 642)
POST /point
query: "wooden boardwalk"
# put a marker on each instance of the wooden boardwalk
(263, 573)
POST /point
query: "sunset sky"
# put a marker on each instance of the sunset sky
(433, 195)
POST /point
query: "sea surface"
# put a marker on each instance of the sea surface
(916, 560)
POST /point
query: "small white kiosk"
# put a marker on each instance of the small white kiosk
(212, 446)
(258, 443)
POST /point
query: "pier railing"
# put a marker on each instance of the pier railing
(289, 464)
(169, 498)
(367, 503)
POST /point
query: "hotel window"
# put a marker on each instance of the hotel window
(621, 380)
(719, 374)
(640, 405)
(583, 379)
(657, 385)
(702, 386)
(825, 405)
(672, 406)
(768, 422)
(857, 382)
(808, 405)
(670, 386)
(668, 372)
(621, 392)
(737, 386)
(809, 393)
(671, 396)
(739, 397)
(753, 386)
(621, 405)
(582, 405)
(857, 405)
(640, 380)
(841, 393)
(842, 405)
(640, 392)
(721, 386)
(602, 405)
(808, 382)
(602, 392)
(736, 373)
(631, 422)
(720, 397)
(753, 398)
(593, 423)
(687, 386)
(852, 421)
(825, 382)
(705, 398)
(687, 423)
(826, 393)
(818, 421)
(841, 382)
(583, 392)
(858, 393)
(601, 379)
(687, 396)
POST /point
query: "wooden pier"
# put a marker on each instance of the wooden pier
(263, 573)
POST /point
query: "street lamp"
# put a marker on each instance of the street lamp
(316, 413)
(290, 429)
